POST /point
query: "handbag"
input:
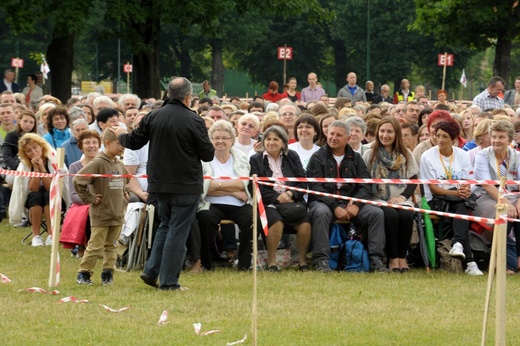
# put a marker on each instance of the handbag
(292, 212)
(74, 226)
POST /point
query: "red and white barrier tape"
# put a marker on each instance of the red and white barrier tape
(261, 208)
(386, 204)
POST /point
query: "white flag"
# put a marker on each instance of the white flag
(44, 68)
(463, 79)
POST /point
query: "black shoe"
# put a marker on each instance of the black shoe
(396, 270)
(322, 266)
(303, 268)
(378, 266)
(405, 270)
(84, 279)
(170, 288)
(149, 280)
(107, 277)
(272, 269)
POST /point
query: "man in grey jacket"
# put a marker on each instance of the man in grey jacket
(351, 90)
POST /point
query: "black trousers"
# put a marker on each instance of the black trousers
(208, 222)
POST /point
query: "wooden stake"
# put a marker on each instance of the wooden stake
(255, 252)
(498, 263)
(60, 158)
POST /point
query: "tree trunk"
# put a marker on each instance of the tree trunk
(182, 52)
(60, 55)
(217, 66)
(502, 62)
(340, 61)
(146, 78)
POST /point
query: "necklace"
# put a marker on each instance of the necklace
(448, 170)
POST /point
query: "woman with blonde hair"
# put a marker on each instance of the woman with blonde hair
(468, 125)
(41, 115)
(33, 192)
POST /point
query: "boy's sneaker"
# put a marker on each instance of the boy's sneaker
(472, 269)
(37, 241)
(84, 279)
(457, 251)
(48, 241)
(107, 277)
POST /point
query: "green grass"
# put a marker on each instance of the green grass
(293, 308)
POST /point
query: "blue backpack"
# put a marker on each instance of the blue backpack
(347, 253)
(353, 257)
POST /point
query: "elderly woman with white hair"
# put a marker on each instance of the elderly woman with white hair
(494, 163)
(358, 129)
(224, 199)
(72, 151)
(286, 209)
(247, 128)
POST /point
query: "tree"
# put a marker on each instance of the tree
(65, 18)
(476, 24)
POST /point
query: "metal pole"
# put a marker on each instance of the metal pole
(444, 70)
(368, 40)
(284, 63)
(97, 64)
(118, 64)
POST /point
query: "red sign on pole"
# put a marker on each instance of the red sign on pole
(17, 62)
(445, 59)
(127, 68)
(284, 53)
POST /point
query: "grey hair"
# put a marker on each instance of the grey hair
(281, 133)
(76, 113)
(250, 117)
(78, 122)
(357, 121)
(343, 124)
(296, 109)
(179, 88)
(503, 126)
(104, 99)
(222, 125)
(123, 97)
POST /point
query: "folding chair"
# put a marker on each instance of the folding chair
(28, 238)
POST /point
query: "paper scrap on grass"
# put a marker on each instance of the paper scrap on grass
(163, 318)
(209, 332)
(198, 326)
(5, 279)
(38, 290)
(72, 299)
(241, 341)
(114, 310)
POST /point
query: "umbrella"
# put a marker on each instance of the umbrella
(422, 239)
(428, 231)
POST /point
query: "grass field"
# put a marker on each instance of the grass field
(293, 308)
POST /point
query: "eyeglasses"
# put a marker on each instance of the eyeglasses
(288, 114)
(217, 139)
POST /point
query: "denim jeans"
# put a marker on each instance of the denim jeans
(176, 213)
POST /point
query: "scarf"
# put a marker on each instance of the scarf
(276, 168)
(387, 166)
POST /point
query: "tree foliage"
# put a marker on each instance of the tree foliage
(476, 24)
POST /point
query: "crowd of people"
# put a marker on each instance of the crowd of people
(284, 133)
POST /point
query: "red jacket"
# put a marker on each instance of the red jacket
(273, 98)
